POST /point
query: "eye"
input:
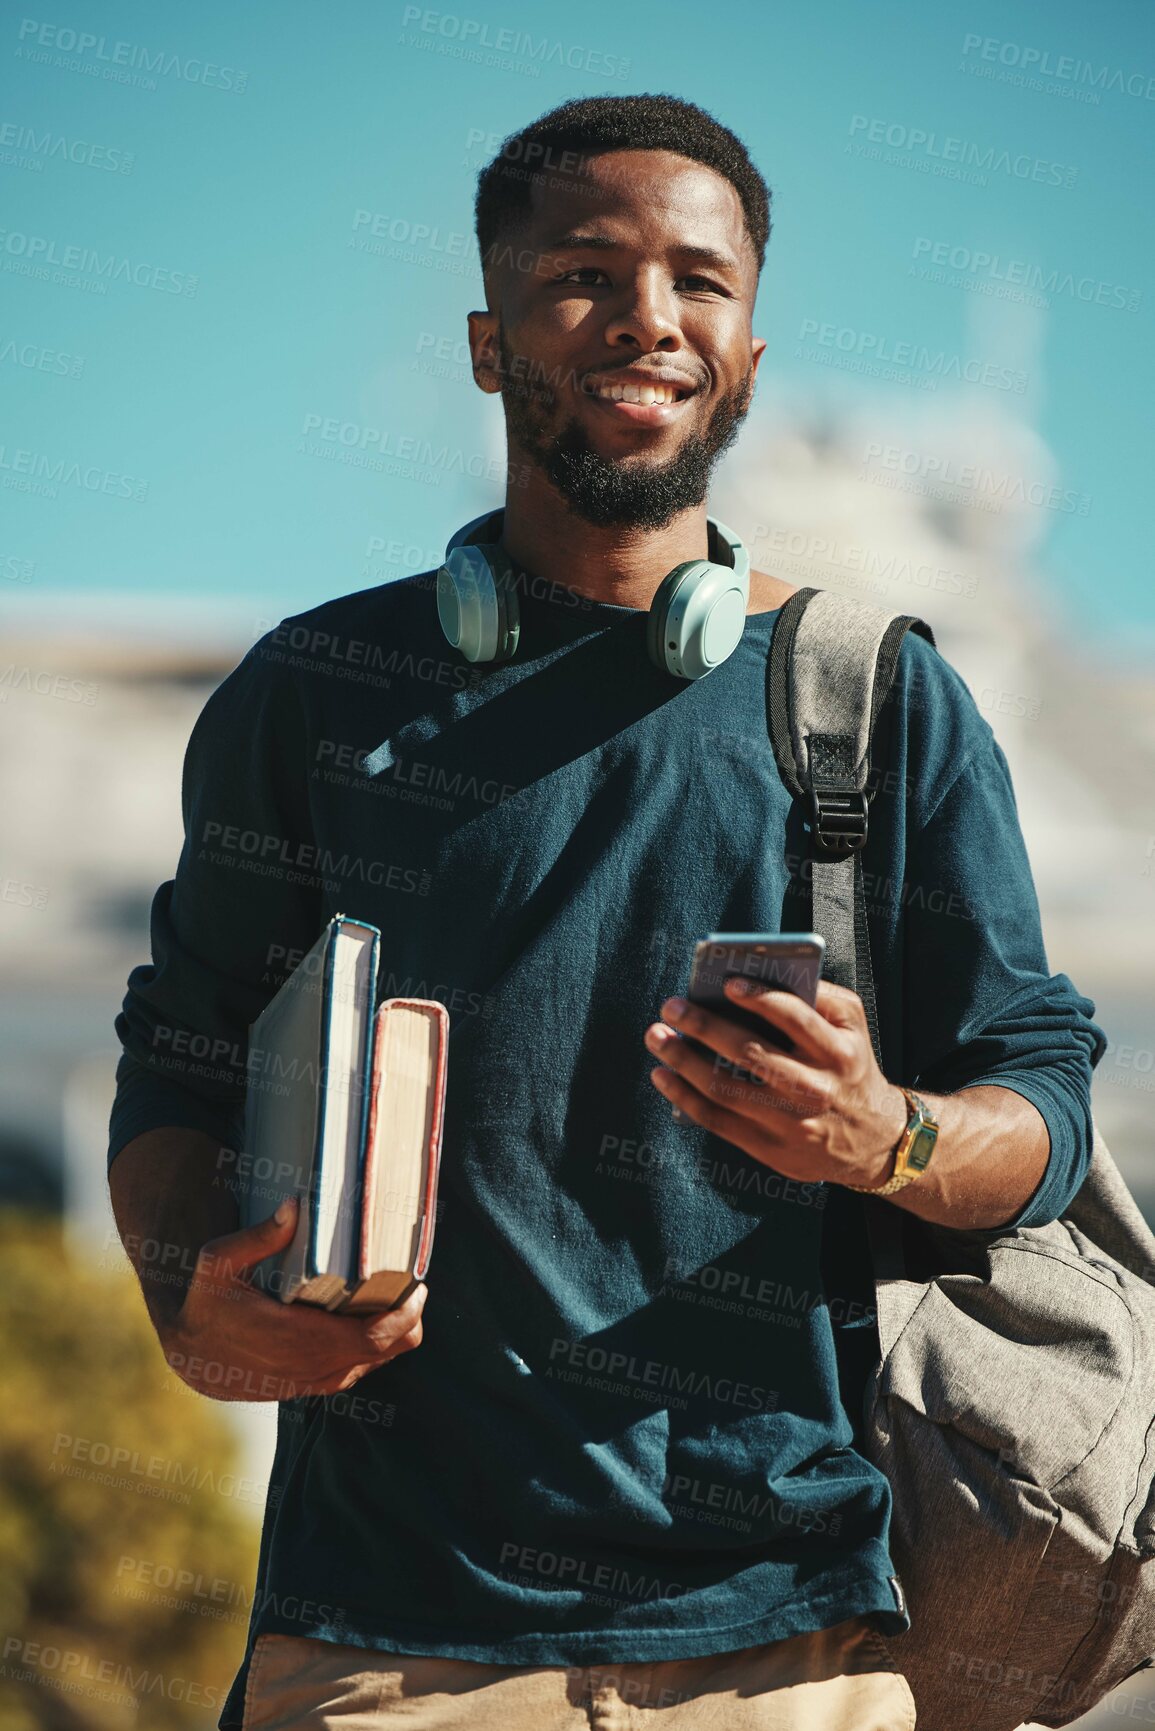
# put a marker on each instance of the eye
(587, 269)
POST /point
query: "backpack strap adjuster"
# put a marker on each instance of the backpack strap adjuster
(839, 820)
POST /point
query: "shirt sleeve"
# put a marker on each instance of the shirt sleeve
(981, 1004)
(239, 913)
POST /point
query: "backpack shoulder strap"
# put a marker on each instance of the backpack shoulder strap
(832, 663)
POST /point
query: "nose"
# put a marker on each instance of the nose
(645, 314)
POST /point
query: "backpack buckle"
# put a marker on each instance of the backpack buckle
(838, 820)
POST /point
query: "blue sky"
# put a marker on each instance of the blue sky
(196, 396)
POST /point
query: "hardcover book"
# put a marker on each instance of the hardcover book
(345, 1110)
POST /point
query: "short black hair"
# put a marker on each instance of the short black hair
(590, 125)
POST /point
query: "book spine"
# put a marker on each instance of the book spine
(429, 1213)
(367, 1108)
(327, 994)
(363, 1222)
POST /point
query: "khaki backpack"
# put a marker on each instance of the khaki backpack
(1013, 1405)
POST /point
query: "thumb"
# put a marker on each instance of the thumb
(234, 1251)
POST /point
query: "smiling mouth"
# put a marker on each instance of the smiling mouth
(640, 406)
(643, 396)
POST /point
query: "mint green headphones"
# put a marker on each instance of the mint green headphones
(696, 618)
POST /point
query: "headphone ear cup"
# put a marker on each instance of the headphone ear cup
(508, 607)
(662, 644)
(696, 618)
(477, 602)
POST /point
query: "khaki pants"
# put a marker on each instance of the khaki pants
(844, 1678)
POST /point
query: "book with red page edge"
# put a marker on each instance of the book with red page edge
(376, 1295)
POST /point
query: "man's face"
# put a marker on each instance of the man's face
(573, 316)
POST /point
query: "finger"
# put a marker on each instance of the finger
(407, 1342)
(786, 1081)
(383, 1331)
(754, 1139)
(346, 1377)
(783, 1089)
(839, 1004)
(284, 1351)
(815, 1035)
(234, 1252)
(345, 1339)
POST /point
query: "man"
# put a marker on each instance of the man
(588, 1488)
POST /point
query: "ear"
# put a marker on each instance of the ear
(483, 348)
(756, 353)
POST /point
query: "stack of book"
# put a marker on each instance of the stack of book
(344, 1109)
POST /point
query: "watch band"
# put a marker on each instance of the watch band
(912, 1151)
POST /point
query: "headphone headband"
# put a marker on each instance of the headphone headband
(487, 530)
(696, 617)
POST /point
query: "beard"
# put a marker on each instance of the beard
(607, 491)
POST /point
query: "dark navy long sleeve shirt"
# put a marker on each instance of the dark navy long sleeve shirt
(628, 1433)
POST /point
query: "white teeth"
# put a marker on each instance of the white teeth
(644, 394)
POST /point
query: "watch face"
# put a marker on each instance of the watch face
(922, 1147)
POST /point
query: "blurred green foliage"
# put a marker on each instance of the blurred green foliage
(128, 1538)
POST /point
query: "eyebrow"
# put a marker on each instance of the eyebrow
(577, 241)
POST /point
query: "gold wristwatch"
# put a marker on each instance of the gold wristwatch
(913, 1150)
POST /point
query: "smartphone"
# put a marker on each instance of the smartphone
(791, 961)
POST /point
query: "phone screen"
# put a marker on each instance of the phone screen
(790, 961)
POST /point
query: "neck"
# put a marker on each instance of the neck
(620, 565)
